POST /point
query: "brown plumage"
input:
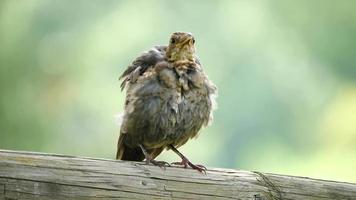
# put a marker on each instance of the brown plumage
(168, 100)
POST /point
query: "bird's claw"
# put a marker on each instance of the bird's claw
(185, 163)
(161, 164)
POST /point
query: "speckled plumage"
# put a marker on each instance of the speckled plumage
(169, 99)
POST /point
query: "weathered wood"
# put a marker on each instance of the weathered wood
(26, 175)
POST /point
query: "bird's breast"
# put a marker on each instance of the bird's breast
(168, 106)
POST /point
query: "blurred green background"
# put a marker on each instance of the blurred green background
(285, 71)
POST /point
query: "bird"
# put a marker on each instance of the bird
(169, 98)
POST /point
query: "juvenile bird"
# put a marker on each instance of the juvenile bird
(169, 99)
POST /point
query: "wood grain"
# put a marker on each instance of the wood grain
(27, 175)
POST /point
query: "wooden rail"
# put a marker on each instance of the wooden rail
(27, 175)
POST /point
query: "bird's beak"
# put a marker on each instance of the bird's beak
(187, 41)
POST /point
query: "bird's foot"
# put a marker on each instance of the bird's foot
(185, 163)
(149, 159)
(161, 164)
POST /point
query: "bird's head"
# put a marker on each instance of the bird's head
(181, 47)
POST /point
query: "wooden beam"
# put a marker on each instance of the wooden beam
(27, 175)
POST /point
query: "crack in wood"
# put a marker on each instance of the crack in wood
(2, 191)
(274, 192)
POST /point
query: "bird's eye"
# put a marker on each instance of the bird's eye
(173, 41)
(193, 41)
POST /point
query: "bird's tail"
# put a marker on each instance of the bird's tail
(128, 153)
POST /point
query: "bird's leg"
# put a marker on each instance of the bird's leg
(149, 159)
(185, 162)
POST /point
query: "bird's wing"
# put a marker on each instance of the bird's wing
(142, 63)
(138, 67)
